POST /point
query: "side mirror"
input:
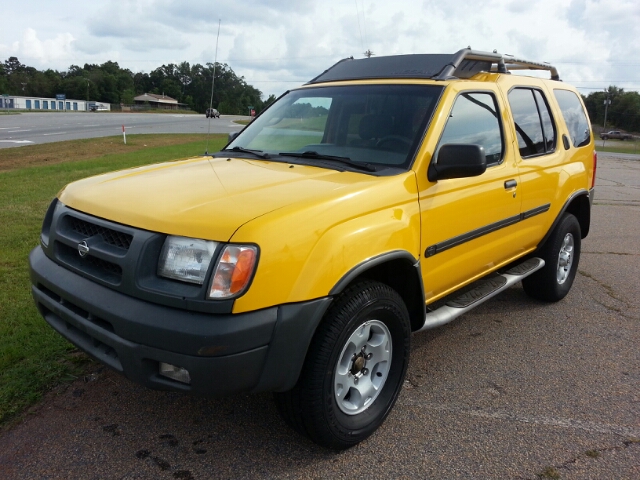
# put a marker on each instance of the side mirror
(232, 136)
(457, 161)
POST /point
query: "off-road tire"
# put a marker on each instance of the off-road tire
(311, 407)
(561, 253)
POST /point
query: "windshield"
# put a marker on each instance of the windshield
(378, 125)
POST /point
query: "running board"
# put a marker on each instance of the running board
(479, 292)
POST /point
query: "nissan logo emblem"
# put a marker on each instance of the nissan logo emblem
(83, 248)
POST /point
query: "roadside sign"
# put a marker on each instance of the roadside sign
(6, 102)
(61, 96)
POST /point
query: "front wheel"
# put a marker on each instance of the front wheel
(561, 254)
(354, 370)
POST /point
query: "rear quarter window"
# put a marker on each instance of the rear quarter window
(574, 116)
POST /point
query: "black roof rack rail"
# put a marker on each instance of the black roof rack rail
(464, 63)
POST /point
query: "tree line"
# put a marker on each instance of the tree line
(109, 83)
(622, 109)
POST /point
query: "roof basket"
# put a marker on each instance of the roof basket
(464, 63)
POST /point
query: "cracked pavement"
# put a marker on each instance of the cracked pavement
(515, 389)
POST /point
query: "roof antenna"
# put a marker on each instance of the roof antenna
(213, 80)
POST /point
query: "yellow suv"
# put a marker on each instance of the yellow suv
(387, 196)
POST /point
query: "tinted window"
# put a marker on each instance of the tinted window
(474, 120)
(547, 124)
(575, 117)
(534, 125)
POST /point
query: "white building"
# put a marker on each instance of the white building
(56, 104)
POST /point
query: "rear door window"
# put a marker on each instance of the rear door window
(575, 117)
(534, 124)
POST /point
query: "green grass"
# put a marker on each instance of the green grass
(549, 472)
(33, 357)
(618, 146)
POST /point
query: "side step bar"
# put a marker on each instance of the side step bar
(479, 292)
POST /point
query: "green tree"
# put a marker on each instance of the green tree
(623, 109)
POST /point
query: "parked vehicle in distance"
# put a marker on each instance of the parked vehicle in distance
(387, 196)
(616, 135)
(212, 112)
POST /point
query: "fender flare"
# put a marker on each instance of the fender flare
(369, 263)
(563, 210)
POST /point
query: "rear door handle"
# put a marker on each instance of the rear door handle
(510, 184)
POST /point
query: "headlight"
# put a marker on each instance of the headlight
(186, 259)
(234, 271)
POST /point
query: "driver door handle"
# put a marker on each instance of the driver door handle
(510, 184)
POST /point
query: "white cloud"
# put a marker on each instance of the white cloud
(46, 52)
(278, 44)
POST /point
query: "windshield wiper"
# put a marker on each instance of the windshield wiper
(257, 153)
(332, 158)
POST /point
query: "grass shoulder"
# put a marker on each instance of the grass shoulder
(618, 146)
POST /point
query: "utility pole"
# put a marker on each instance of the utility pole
(607, 102)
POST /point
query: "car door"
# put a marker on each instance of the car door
(545, 176)
(469, 225)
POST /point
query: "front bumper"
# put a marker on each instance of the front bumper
(224, 353)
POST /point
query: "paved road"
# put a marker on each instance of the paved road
(30, 128)
(516, 389)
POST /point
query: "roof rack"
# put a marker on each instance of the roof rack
(513, 63)
(464, 63)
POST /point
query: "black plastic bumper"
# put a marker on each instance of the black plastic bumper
(224, 354)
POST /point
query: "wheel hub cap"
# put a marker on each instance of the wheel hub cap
(363, 367)
(358, 365)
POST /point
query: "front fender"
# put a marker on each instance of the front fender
(306, 249)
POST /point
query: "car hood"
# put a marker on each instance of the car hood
(203, 197)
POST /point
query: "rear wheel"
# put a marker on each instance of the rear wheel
(561, 254)
(354, 368)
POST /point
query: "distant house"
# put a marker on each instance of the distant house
(157, 101)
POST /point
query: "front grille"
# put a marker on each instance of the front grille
(100, 264)
(112, 237)
(107, 271)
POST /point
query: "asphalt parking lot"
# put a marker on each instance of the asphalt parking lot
(516, 389)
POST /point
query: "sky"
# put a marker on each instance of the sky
(280, 44)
